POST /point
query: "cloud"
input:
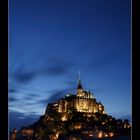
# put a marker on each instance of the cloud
(57, 66)
(24, 78)
(24, 74)
(58, 94)
(11, 90)
(29, 97)
(43, 102)
(71, 83)
(18, 119)
(55, 95)
(12, 99)
(56, 70)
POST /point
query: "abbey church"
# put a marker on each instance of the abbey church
(83, 101)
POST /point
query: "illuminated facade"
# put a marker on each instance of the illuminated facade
(83, 101)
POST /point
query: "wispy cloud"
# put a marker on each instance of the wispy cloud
(56, 70)
(54, 96)
(24, 77)
(12, 99)
(23, 74)
(19, 119)
(57, 66)
(71, 83)
(12, 90)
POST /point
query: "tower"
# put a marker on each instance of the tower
(79, 87)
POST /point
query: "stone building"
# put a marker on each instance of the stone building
(83, 101)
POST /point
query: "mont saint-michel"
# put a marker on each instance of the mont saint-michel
(74, 117)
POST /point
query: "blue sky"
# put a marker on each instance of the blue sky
(51, 40)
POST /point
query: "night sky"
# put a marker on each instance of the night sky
(51, 40)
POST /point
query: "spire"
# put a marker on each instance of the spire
(79, 81)
(78, 75)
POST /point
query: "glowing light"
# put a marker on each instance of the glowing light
(90, 135)
(128, 126)
(100, 134)
(64, 118)
(77, 126)
(103, 123)
(111, 134)
(15, 131)
(106, 135)
(125, 125)
(57, 134)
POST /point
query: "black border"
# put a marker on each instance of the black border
(135, 69)
(4, 70)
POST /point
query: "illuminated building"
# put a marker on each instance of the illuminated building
(83, 101)
(79, 113)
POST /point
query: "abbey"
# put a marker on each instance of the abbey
(74, 114)
(83, 101)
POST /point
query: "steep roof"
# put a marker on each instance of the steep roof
(79, 85)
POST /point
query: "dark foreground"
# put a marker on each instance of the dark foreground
(112, 138)
(117, 138)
